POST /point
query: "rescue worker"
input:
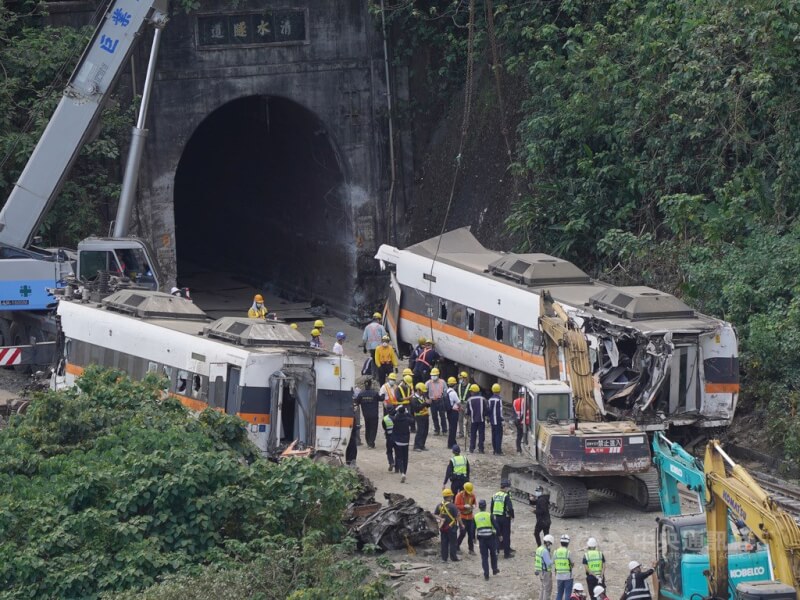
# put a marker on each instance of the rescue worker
(449, 524)
(457, 470)
(337, 347)
(542, 509)
(388, 431)
(368, 400)
(600, 592)
(577, 592)
(465, 502)
(258, 310)
(453, 404)
(315, 341)
(487, 539)
(426, 360)
(477, 409)
(412, 360)
(518, 416)
(420, 407)
(562, 565)
(503, 513)
(319, 324)
(594, 563)
(388, 393)
(402, 436)
(636, 584)
(462, 389)
(543, 567)
(496, 419)
(436, 395)
(373, 334)
(293, 325)
(385, 359)
(351, 451)
(405, 391)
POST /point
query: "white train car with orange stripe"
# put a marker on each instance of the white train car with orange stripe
(654, 358)
(263, 371)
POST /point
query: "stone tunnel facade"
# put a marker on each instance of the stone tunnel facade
(267, 149)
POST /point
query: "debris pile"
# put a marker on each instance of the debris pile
(401, 524)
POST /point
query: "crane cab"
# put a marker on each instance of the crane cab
(124, 257)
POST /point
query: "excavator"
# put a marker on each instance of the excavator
(564, 433)
(682, 557)
(730, 488)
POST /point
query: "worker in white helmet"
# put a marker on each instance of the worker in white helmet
(594, 563)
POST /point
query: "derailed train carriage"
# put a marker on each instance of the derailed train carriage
(654, 359)
(263, 371)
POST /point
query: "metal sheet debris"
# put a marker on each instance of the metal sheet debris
(395, 526)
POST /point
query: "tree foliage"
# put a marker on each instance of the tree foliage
(108, 487)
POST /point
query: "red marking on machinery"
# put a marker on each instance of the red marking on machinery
(10, 356)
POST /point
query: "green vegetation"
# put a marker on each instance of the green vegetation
(106, 488)
(659, 136)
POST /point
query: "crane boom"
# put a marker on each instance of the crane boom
(75, 116)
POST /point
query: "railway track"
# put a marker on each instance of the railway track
(785, 495)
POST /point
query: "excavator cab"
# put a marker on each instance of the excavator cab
(130, 258)
(551, 401)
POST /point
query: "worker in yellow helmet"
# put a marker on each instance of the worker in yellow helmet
(257, 310)
(385, 359)
(478, 411)
(462, 389)
(496, 419)
(420, 407)
(449, 523)
(466, 503)
(315, 341)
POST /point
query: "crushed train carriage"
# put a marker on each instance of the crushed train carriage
(654, 359)
(263, 371)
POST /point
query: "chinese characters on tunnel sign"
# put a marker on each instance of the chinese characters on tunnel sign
(262, 28)
(603, 446)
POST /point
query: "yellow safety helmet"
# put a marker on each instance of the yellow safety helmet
(315, 332)
(293, 325)
(451, 381)
(393, 376)
(447, 493)
(407, 371)
(496, 388)
(408, 379)
(474, 388)
(258, 298)
(421, 339)
(376, 315)
(421, 387)
(385, 338)
(464, 375)
(319, 324)
(434, 371)
(468, 487)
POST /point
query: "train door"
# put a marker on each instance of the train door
(291, 410)
(223, 385)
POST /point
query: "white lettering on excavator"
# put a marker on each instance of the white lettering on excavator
(734, 505)
(678, 471)
(748, 572)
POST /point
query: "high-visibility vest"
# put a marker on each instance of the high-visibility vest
(459, 465)
(499, 503)
(424, 357)
(538, 563)
(435, 389)
(594, 561)
(391, 397)
(406, 391)
(518, 408)
(634, 591)
(483, 524)
(561, 561)
(387, 420)
(463, 392)
(443, 510)
(420, 409)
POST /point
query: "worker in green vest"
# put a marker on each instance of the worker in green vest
(457, 470)
(562, 565)
(503, 512)
(543, 567)
(594, 562)
(487, 539)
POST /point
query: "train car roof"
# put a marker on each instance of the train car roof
(644, 308)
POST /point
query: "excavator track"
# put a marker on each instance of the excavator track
(639, 491)
(568, 495)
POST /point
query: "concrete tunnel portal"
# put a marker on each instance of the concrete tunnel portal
(260, 194)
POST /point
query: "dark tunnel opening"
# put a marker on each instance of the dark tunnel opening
(259, 193)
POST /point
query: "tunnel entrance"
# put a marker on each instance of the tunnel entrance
(260, 194)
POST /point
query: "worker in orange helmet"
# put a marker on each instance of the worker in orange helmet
(258, 310)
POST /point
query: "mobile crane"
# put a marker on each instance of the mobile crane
(574, 449)
(729, 487)
(29, 275)
(682, 558)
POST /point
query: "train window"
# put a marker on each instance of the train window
(529, 340)
(515, 331)
(167, 372)
(456, 313)
(470, 319)
(498, 329)
(152, 367)
(197, 385)
(442, 310)
(182, 382)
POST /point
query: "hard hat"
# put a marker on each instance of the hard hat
(456, 449)
(315, 332)
(393, 376)
(598, 589)
(421, 339)
(258, 298)
(376, 315)
(468, 487)
(434, 371)
(591, 543)
(522, 390)
(481, 503)
(421, 387)
(408, 379)
(565, 539)
(428, 342)
(496, 388)
(385, 338)
(447, 492)
(474, 388)
(174, 291)
(319, 323)
(549, 539)
(464, 375)
(538, 491)
(407, 371)
(340, 335)
(578, 587)
(451, 381)
(293, 325)
(505, 483)
(632, 565)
